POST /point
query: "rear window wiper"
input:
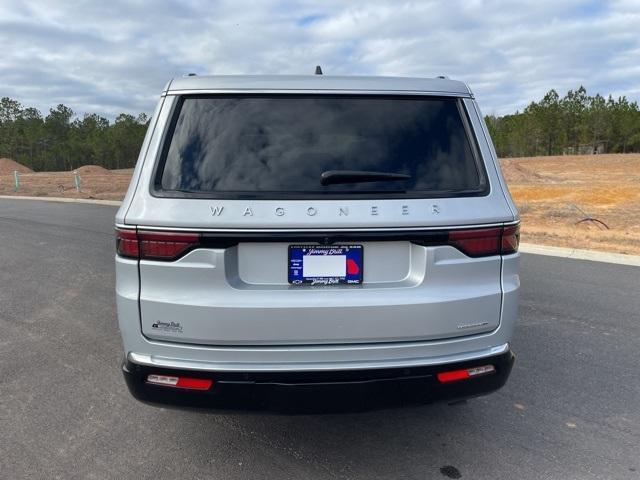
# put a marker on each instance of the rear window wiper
(331, 177)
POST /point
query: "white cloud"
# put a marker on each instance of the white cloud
(116, 56)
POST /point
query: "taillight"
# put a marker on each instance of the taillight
(150, 245)
(477, 243)
(483, 242)
(510, 239)
(165, 245)
(127, 243)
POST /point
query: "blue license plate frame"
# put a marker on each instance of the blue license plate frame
(353, 257)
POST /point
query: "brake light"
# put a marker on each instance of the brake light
(169, 245)
(150, 245)
(477, 243)
(165, 245)
(464, 374)
(127, 243)
(482, 242)
(180, 382)
(510, 239)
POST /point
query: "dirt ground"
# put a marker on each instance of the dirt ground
(579, 201)
(95, 182)
(555, 196)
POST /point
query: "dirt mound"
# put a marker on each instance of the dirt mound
(8, 166)
(515, 172)
(91, 170)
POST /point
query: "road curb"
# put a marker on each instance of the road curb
(113, 203)
(532, 248)
(578, 254)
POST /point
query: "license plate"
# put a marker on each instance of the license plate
(325, 265)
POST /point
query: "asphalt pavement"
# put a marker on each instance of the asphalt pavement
(571, 409)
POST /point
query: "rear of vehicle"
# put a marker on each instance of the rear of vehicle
(291, 240)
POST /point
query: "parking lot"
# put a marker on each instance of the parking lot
(571, 408)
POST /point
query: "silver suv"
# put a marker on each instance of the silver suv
(316, 241)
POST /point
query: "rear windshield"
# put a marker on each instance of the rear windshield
(279, 146)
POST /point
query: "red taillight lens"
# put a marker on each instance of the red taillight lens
(484, 242)
(148, 245)
(166, 245)
(477, 243)
(127, 243)
(510, 239)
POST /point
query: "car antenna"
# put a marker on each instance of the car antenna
(318, 70)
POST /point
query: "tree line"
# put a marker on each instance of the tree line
(574, 124)
(59, 141)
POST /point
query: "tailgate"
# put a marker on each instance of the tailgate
(240, 295)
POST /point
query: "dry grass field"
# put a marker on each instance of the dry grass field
(554, 194)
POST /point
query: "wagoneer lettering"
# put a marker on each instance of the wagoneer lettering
(216, 211)
(360, 239)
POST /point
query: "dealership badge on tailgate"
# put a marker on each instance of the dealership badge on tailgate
(325, 265)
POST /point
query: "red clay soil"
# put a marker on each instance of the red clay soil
(8, 166)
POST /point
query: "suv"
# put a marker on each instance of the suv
(316, 241)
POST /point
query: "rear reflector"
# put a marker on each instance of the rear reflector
(180, 382)
(464, 374)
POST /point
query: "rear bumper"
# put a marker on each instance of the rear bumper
(318, 391)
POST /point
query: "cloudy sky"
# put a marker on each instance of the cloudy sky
(115, 56)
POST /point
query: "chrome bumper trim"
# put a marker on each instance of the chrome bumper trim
(165, 362)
